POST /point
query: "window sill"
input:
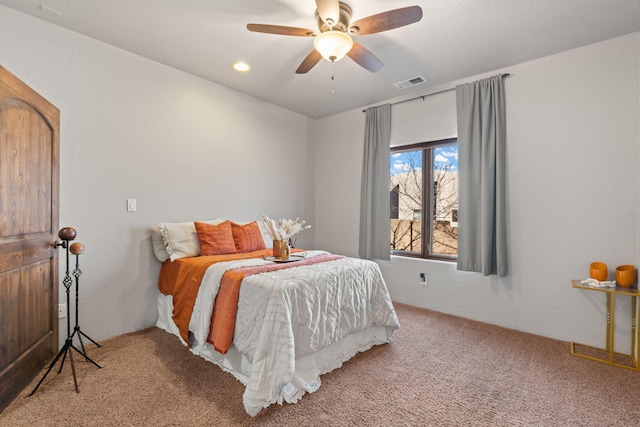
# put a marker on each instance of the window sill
(419, 257)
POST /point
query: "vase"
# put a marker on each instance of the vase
(625, 276)
(598, 271)
(281, 249)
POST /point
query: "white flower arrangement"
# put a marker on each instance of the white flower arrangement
(283, 229)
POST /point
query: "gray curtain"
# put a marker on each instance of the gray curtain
(375, 227)
(482, 240)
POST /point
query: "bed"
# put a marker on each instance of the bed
(290, 322)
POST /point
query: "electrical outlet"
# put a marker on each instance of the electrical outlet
(62, 311)
(423, 279)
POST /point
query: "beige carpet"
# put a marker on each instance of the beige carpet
(438, 371)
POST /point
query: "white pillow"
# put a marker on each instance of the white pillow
(268, 241)
(180, 238)
(157, 243)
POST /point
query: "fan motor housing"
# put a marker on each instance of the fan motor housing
(343, 22)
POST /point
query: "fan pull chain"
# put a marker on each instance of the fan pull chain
(333, 89)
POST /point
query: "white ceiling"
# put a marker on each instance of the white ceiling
(454, 39)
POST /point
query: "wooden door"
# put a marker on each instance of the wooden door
(29, 176)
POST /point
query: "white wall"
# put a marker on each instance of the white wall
(184, 148)
(188, 149)
(573, 193)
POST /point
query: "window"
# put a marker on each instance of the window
(424, 179)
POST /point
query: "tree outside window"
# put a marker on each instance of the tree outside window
(424, 199)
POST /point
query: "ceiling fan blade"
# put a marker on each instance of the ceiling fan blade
(309, 62)
(363, 57)
(282, 30)
(329, 11)
(386, 20)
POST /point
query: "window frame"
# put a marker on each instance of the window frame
(426, 224)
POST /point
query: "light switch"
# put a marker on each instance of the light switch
(131, 205)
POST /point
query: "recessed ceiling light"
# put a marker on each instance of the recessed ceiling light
(241, 66)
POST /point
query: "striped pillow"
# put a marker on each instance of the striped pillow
(247, 238)
(215, 239)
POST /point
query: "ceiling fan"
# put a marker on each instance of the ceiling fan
(334, 40)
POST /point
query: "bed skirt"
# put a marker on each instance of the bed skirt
(306, 377)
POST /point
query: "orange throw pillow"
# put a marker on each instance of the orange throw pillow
(215, 239)
(247, 237)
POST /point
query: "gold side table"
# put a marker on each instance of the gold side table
(611, 310)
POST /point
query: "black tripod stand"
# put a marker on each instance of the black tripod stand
(76, 249)
(67, 234)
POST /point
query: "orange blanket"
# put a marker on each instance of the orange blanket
(181, 279)
(223, 320)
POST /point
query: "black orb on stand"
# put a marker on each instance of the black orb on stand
(67, 233)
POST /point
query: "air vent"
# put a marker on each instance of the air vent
(411, 82)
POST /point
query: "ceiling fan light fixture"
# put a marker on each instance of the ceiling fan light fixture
(333, 45)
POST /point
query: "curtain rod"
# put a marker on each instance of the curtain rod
(434, 93)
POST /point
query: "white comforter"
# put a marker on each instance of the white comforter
(291, 313)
